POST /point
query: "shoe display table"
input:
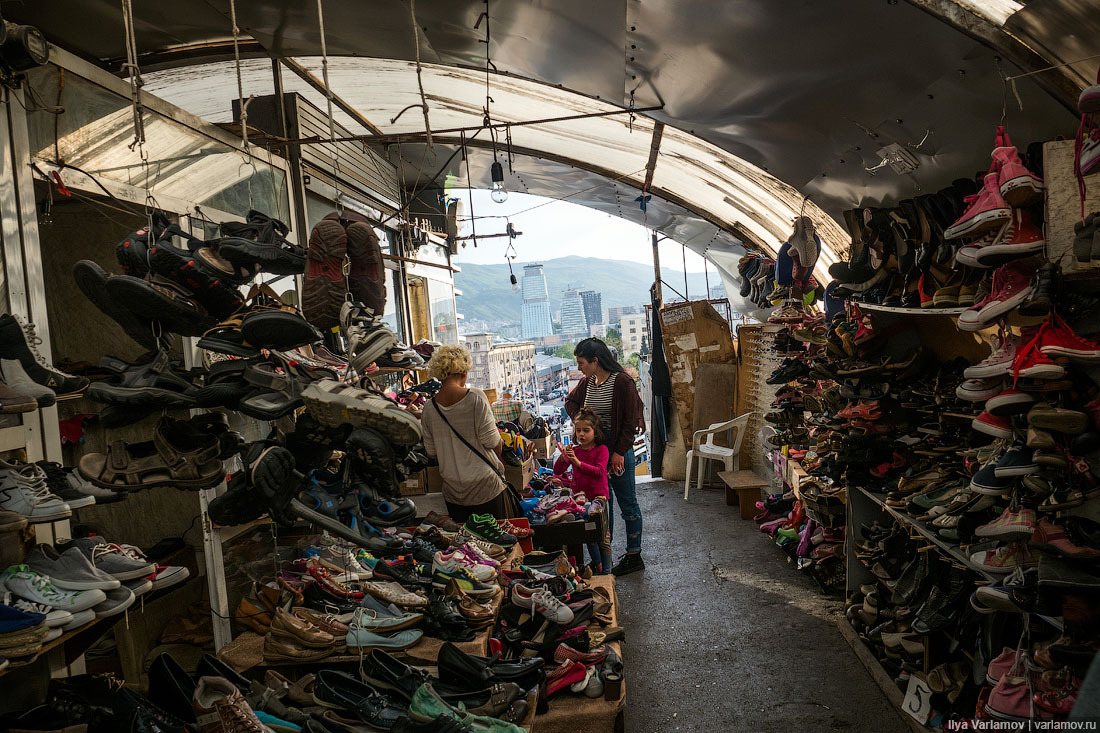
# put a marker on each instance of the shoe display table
(569, 712)
(743, 490)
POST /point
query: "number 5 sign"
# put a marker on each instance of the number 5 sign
(918, 700)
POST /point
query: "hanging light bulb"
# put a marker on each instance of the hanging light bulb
(499, 192)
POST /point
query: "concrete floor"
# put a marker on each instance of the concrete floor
(723, 635)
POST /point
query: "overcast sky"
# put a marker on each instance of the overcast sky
(559, 229)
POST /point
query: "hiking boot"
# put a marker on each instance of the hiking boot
(19, 342)
(367, 272)
(323, 287)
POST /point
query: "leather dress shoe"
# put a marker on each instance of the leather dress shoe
(470, 672)
(340, 690)
(318, 597)
(443, 609)
(137, 714)
(171, 688)
(286, 626)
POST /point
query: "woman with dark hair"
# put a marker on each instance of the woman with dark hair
(611, 394)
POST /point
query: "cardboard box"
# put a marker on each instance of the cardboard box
(520, 476)
(415, 485)
(543, 447)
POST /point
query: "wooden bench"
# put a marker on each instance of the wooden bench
(743, 490)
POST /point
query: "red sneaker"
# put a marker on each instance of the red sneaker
(987, 210)
(1032, 363)
(1018, 239)
(1060, 340)
(1011, 286)
(998, 427)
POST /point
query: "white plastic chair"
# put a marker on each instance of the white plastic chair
(708, 451)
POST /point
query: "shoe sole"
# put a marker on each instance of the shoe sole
(60, 514)
(378, 345)
(402, 428)
(141, 297)
(278, 330)
(168, 580)
(19, 407)
(1043, 371)
(116, 609)
(979, 224)
(1070, 353)
(271, 257)
(301, 660)
(138, 395)
(1022, 191)
(91, 279)
(1007, 406)
(331, 524)
(996, 255)
(1016, 471)
(992, 312)
(80, 503)
(281, 634)
(1063, 424)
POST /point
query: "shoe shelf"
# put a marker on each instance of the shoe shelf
(14, 438)
(227, 534)
(79, 639)
(955, 551)
(910, 311)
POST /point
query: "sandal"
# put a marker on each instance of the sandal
(278, 386)
(152, 383)
(92, 280)
(271, 323)
(179, 455)
(161, 300)
(261, 242)
(226, 338)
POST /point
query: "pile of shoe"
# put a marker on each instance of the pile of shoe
(550, 501)
(77, 581)
(936, 250)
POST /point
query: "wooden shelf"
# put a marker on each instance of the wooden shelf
(955, 551)
(910, 311)
(225, 534)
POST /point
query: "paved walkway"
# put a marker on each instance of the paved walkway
(723, 635)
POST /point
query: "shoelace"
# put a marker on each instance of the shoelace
(131, 552)
(32, 480)
(103, 549)
(43, 585)
(237, 717)
(33, 339)
(23, 604)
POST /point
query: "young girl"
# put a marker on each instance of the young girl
(587, 460)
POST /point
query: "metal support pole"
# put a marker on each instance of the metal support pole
(657, 270)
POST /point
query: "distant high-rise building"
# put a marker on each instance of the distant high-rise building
(615, 315)
(572, 313)
(536, 321)
(593, 307)
(633, 327)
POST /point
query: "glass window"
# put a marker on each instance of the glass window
(96, 130)
(443, 313)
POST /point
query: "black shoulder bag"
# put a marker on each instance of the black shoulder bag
(511, 490)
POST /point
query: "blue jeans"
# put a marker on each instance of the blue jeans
(626, 494)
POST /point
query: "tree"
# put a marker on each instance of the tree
(614, 339)
(556, 326)
(565, 351)
(631, 361)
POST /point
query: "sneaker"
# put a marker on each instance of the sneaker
(79, 488)
(1032, 363)
(165, 576)
(997, 364)
(335, 403)
(368, 339)
(1013, 524)
(450, 561)
(53, 617)
(485, 526)
(1004, 559)
(1011, 286)
(110, 558)
(1016, 461)
(979, 390)
(23, 489)
(631, 562)
(464, 579)
(27, 584)
(341, 516)
(986, 481)
(343, 562)
(1018, 185)
(443, 522)
(1008, 402)
(19, 342)
(117, 601)
(483, 547)
(1018, 239)
(1052, 538)
(515, 530)
(69, 570)
(542, 601)
(987, 210)
(1059, 340)
(998, 427)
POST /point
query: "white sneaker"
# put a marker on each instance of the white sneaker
(343, 562)
(23, 490)
(54, 616)
(29, 585)
(542, 601)
(453, 561)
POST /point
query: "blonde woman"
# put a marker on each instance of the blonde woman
(458, 423)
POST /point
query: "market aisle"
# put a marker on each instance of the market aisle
(723, 636)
